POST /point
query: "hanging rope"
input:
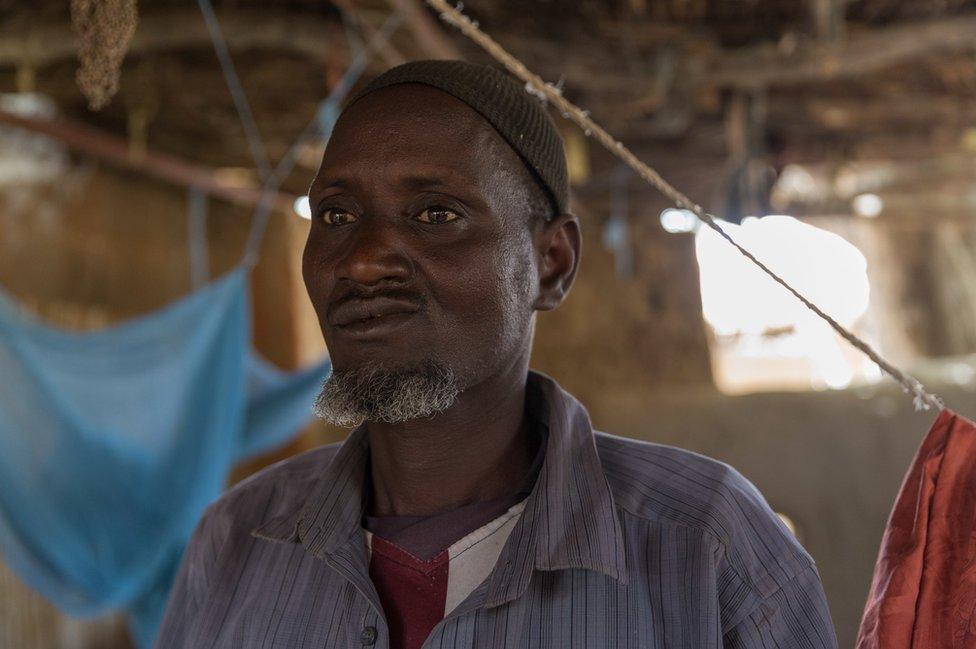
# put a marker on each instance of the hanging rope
(198, 248)
(251, 133)
(535, 85)
(315, 128)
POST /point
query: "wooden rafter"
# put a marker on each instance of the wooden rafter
(391, 56)
(314, 37)
(116, 151)
(430, 36)
(863, 52)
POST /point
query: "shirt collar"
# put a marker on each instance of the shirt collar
(569, 521)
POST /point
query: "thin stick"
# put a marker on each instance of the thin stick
(535, 85)
(251, 134)
(262, 213)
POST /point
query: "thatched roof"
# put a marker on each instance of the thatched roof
(821, 81)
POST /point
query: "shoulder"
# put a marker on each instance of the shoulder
(278, 490)
(671, 486)
(223, 531)
(665, 482)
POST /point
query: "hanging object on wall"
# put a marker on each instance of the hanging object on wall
(105, 29)
(923, 593)
(112, 443)
(750, 176)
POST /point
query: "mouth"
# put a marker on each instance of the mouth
(372, 316)
(375, 326)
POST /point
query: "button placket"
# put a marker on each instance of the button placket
(371, 631)
(455, 631)
(368, 636)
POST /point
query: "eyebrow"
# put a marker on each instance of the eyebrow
(319, 184)
(414, 181)
(423, 182)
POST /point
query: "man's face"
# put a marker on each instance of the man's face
(420, 249)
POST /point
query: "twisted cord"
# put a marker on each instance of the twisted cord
(535, 85)
(251, 134)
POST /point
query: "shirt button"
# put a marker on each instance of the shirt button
(368, 636)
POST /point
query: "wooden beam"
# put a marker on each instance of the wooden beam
(391, 56)
(114, 150)
(899, 208)
(310, 35)
(316, 37)
(429, 34)
(865, 51)
(430, 37)
(886, 112)
(828, 19)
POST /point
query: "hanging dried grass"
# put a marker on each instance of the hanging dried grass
(105, 28)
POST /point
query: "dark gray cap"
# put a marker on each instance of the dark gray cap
(519, 118)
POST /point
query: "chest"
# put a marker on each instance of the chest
(306, 603)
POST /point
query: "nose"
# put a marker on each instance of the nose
(373, 255)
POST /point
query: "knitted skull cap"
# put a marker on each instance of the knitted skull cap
(518, 117)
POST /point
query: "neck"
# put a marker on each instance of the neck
(479, 449)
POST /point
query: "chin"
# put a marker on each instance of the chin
(376, 359)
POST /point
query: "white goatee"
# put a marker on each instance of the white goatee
(390, 395)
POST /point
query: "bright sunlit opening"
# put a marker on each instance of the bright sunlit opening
(869, 205)
(302, 207)
(762, 329)
(678, 221)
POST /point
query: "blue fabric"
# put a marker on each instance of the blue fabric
(113, 442)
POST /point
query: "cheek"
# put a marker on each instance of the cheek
(489, 302)
(315, 272)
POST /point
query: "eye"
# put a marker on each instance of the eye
(337, 216)
(437, 215)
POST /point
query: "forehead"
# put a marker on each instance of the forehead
(412, 126)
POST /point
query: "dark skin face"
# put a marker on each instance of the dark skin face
(423, 246)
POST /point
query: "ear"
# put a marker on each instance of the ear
(558, 246)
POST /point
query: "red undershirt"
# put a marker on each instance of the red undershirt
(410, 563)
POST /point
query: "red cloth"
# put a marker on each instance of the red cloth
(923, 594)
(412, 591)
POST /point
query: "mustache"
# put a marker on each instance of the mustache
(368, 293)
(356, 301)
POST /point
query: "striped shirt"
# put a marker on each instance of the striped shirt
(417, 593)
(621, 544)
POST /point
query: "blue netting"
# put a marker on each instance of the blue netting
(113, 442)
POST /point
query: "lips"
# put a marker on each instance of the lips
(365, 310)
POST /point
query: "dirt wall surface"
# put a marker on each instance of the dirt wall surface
(102, 247)
(638, 328)
(867, 96)
(831, 461)
(631, 347)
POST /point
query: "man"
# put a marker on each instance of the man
(473, 505)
